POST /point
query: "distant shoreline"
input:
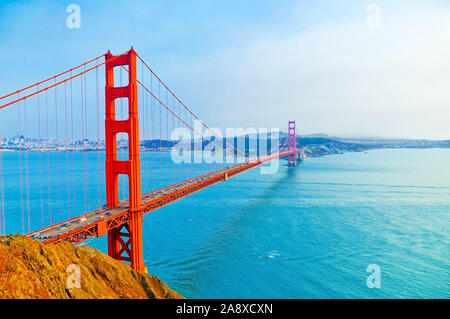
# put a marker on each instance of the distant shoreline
(313, 146)
(322, 146)
(314, 154)
(310, 151)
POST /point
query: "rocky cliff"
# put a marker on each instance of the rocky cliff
(29, 269)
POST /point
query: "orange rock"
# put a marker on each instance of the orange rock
(29, 269)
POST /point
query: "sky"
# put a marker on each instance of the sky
(377, 68)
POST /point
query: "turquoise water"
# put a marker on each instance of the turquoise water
(310, 231)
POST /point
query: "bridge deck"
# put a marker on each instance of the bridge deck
(97, 223)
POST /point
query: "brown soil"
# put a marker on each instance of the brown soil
(31, 270)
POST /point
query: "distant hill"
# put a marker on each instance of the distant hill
(314, 145)
(320, 146)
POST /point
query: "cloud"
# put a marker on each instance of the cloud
(337, 77)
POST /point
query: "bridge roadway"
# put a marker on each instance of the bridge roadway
(97, 223)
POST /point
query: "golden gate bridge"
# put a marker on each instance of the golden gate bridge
(54, 119)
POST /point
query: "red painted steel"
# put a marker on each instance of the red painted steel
(122, 221)
(292, 143)
(120, 214)
(124, 242)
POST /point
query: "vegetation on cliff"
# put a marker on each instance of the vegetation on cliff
(29, 269)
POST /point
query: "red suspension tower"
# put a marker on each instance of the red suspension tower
(125, 242)
(291, 144)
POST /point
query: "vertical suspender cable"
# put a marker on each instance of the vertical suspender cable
(173, 142)
(20, 164)
(57, 152)
(190, 162)
(26, 164)
(87, 140)
(167, 141)
(83, 143)
(73, 144)
(147, 120)
(48, 159)
(160, 138)
(1, 176)
(192, 148)
(40, 158)
(141, 109)
(98, 138)
(152, 105)
(2, 208)
(67, 150)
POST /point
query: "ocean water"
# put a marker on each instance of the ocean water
(309, 231)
